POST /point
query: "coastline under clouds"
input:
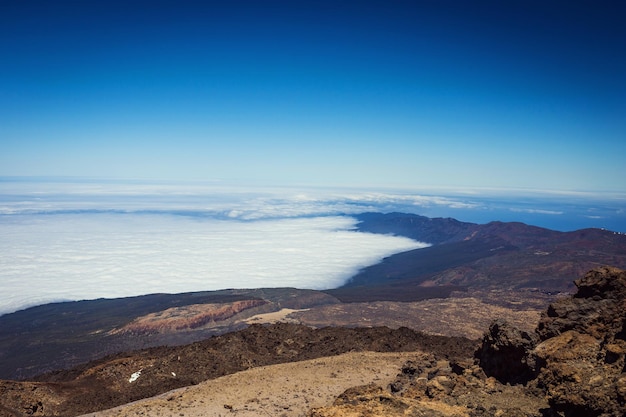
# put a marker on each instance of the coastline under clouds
(85, 240)
(74, 256)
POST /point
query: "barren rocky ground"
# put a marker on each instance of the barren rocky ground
(462, 315)
(286, 390)
(61, 336)
(572, 364)
(131, 376)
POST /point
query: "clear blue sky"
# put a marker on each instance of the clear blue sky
(365, 93)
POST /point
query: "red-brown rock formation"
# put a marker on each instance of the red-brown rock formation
(187, 317)
(579, 355)
(581, 361)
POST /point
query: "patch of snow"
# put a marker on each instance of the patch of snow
(134, 376)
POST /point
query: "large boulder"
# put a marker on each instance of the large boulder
(504, 353)
(576, 382)
(581, 358)
(577, 356)
(572, 366)
(598, 308)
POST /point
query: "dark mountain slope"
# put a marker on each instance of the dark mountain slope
(408, 276)
(420, 264)
(59, 335)
(466, 255)
(435, 231)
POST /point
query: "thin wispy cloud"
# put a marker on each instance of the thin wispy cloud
(537, 211)
(217, 200)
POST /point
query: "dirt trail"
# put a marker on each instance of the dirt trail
(285, 390)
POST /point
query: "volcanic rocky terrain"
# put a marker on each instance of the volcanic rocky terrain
(548, 353)
(573, 364)
(471, 274)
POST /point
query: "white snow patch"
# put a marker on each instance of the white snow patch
(134, 376)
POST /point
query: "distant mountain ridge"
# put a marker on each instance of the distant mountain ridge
(440, 230)
(435, 231)
(494, 255)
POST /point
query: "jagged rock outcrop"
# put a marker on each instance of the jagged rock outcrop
(581, 359)
(427, 387)
(504, 353)
(573, 366)
(596, 309)
(578, 354)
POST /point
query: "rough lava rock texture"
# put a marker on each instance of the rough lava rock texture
(504, 353)
(109, 382)
(581, 358)
(596, 309)
(573, 366)
(431, 387)
(578, 354)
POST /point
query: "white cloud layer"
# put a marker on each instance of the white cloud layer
(83, 240)
(52, 257)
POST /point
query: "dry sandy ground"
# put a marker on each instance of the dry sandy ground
(286, 390)
(274, 317)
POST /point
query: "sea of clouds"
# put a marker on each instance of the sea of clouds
(86, 240)
(89, 255)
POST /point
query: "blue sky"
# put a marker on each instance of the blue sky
(442, 94)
